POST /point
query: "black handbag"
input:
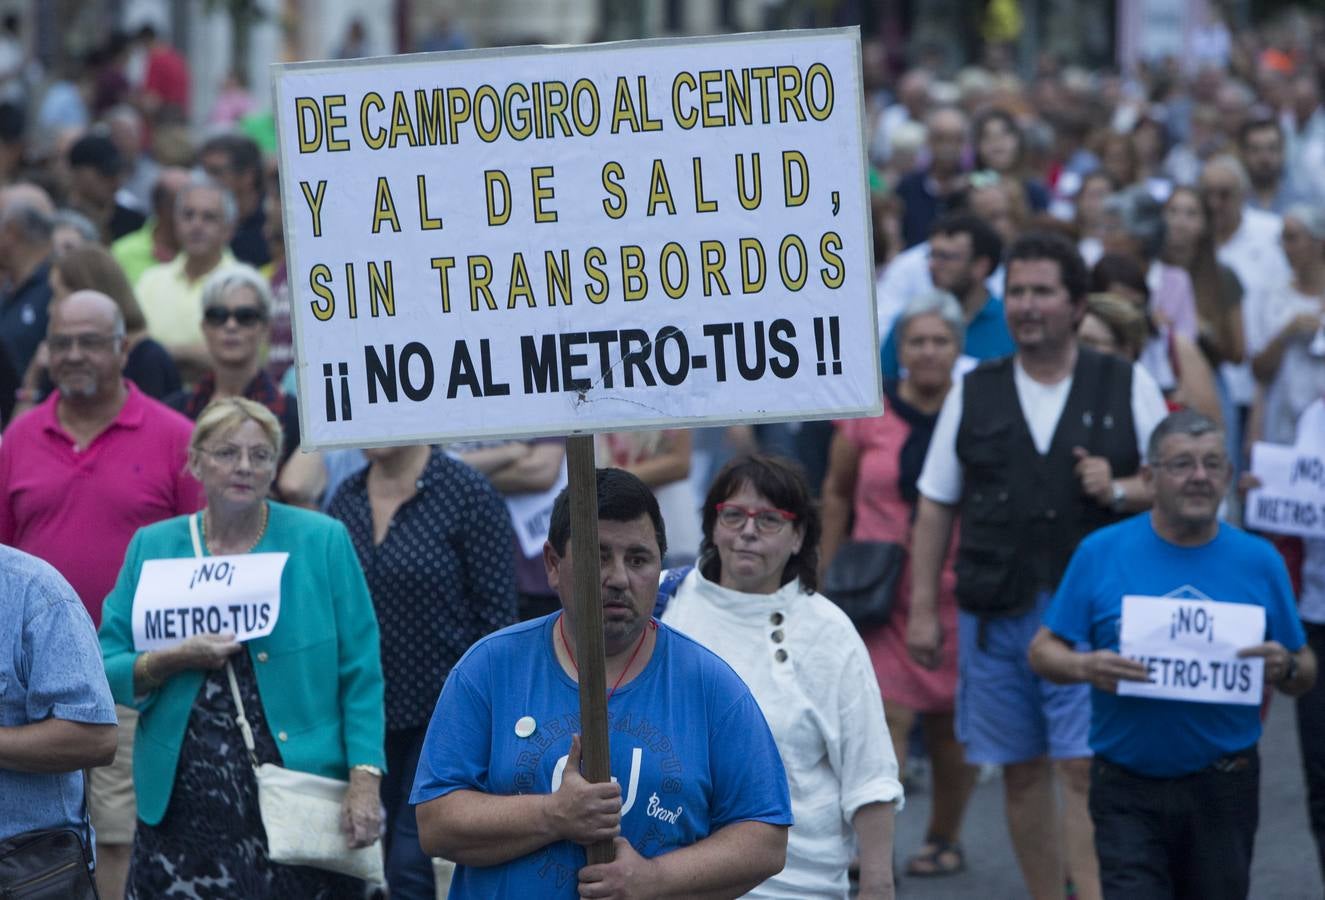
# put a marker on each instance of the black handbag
(862, 580)
(50, 864)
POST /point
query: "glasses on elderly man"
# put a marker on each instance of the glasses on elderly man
(1185, 466)
(59, 344)
(229, 456)
(769, 520)
(244, 316)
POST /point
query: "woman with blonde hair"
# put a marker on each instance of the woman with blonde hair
(311, 690)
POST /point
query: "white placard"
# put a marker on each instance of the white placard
(1291, 498)
(531, 514)
(178, 598)
(1190, 649)
(550, 240)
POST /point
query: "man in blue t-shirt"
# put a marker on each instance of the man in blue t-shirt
(1174, 784)
(698, 804)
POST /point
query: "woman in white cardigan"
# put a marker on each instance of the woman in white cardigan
(751, 599)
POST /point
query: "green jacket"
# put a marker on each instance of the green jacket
(327, 627)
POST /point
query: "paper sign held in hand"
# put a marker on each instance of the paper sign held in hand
(179, 598)
(1291, 498)
(1190, 648)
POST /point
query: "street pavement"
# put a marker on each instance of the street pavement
(1284, 867)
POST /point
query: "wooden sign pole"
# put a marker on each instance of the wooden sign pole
(588, 630)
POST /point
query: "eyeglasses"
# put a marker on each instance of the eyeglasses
(244, 316)
(767, 521)
(229, 456)
(60, 344)
(1185, 466)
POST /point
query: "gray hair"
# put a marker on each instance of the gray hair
(1141, 216)
(72, 218)
(1312, 218)
(228, 278)
(200, 180)
(33, 223)
(1232, 164)
(937, 303)
(1184, 421)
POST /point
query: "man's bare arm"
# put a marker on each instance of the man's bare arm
(728, 863)
(1054, 659)
(56, 745)
(536, 470)
(929, 546)
(477, 829)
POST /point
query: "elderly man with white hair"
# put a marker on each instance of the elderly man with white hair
(171, 293)
(1247, 241)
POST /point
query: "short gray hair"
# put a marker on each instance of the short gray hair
(1184, 421)
(938, 303)
(34, 224)
(227, 278)
(200, 180)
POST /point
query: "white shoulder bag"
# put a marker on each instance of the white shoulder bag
(301, 811)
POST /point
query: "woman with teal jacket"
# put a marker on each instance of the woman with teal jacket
(311, 689)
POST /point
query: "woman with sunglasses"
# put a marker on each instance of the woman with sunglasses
(751, 599)
(236, 323)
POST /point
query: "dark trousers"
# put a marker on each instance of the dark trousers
(1311, 737)
(1176, 838)
(408, 869)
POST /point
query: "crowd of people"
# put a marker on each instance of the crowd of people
(1095, 291)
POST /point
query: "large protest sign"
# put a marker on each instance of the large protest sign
(179, 598)
(576, 239)
(1190, 649)
(1291, 498)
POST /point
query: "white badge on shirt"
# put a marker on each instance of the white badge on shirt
(179, 598)
(1190, 647)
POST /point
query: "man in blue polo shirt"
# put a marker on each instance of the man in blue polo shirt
(1174, 783)
(964, 250)
(56, 713)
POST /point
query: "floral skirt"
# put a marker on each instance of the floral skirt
(210, 845)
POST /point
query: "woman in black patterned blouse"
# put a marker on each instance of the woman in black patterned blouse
(434, 539)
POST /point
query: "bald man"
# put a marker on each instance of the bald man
(79, 474)
(26, 222)
(925, 193)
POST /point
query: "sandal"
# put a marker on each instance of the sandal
(936, 859)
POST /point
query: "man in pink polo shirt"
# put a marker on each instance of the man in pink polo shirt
(79, 474)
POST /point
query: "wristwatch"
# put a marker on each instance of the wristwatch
(364, 767)
(1290, 672)
(1119, 497)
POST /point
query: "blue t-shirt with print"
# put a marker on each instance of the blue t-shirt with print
(690, 749)
(1168, 738)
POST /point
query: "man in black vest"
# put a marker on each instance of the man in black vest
(1034, 451)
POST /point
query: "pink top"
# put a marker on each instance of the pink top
(1174, 298)
(882, 514)
(78, 510)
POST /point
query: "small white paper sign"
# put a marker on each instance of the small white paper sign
(178, 598)
(531, 514)
(1291, 498)
(1190, 649)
